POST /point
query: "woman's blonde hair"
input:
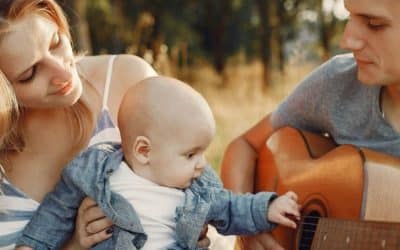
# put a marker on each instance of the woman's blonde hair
(11, 10)
(8, 115)
(8, 108)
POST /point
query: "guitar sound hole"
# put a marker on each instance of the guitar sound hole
(307, 230)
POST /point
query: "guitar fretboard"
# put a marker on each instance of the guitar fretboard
(350, 234)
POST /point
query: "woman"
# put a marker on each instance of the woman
(61, 101)
(64, 107)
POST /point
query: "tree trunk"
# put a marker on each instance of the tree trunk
(76, 12)
(219, 13)
(280, 35)
(156, 39)
(117, 46)
(264, 8)
(324, 31)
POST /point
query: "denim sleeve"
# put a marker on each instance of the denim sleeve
(241, 213)
(54, 221)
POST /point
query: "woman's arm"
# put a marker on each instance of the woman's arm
(65, 213)
(53, 222)
(91, 227)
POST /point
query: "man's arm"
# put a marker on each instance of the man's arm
(240, 158)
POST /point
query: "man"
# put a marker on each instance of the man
(355, 98)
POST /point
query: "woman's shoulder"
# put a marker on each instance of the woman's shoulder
(132, 68)
(126, 69)
(124, 66)
(98, 60)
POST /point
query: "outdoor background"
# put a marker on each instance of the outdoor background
(244, 56)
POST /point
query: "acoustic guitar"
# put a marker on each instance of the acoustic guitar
(349, 196)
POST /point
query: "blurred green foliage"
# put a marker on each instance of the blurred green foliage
(189, 31)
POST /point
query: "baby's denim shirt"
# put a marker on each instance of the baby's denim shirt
(88, 175)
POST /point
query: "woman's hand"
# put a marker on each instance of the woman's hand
(263, 241)
(204, 241)
(91, 226)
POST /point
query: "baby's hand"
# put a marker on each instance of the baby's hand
(282, 208)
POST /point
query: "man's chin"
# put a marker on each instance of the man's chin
(367, 78)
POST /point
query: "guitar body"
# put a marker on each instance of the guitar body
(331, 181)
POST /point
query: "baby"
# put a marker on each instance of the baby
(157, 188)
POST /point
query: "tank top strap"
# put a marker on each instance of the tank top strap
(108, 81)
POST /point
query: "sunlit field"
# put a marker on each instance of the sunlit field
(242, 102)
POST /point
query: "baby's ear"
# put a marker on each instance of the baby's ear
(141, 149)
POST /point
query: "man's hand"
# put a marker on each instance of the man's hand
(263, 241)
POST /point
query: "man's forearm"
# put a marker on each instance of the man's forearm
(238, 167)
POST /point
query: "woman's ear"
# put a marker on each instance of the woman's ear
(141, 149)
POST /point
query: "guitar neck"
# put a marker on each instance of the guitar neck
(352, 234)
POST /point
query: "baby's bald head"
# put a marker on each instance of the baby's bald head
(161, 108)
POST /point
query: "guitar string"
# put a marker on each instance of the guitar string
(306, 240)
(302, 222)
(310, 226)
